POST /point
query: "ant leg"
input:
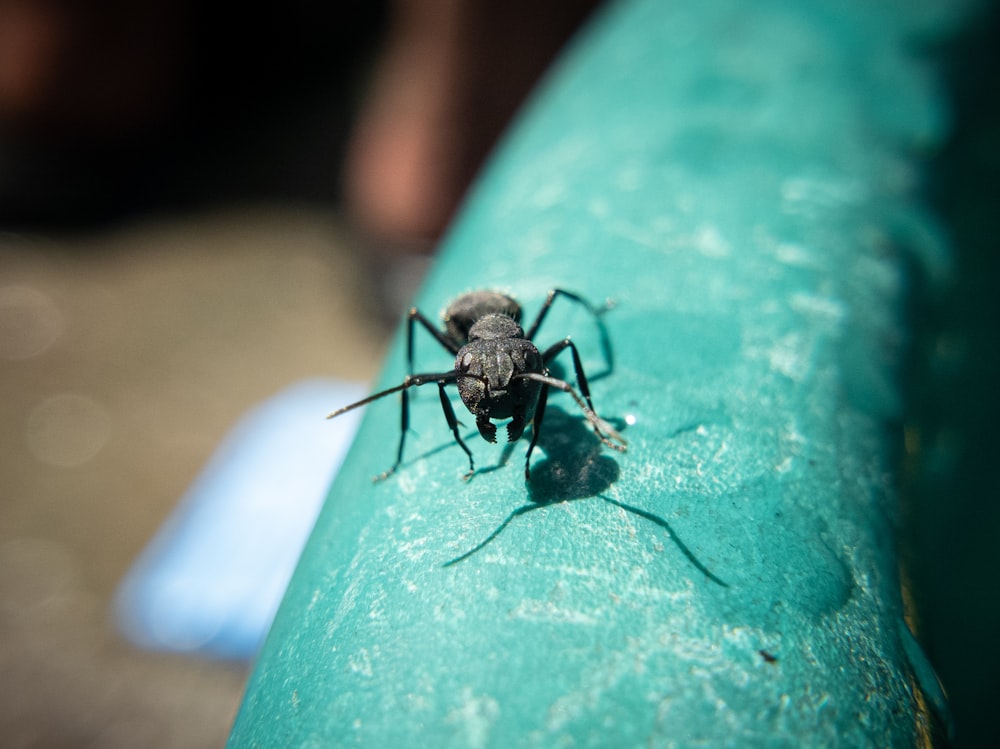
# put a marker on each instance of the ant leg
(604, 431)
(417, 315)
(404, 427)
(602, 331)
(404, 420)
(536, 428)
(607, 434)
(581, 379)
(449, 415)
(553, 293)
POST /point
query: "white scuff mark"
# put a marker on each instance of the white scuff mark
(349, 600)
(415, 549)
(474, 718)
(548, 195)
(796, 255)
(377, 608)
(361, 663)
(639, 236)
(789, 356)
(407, 483)
(793, 435)
(533, 610)
(827, 310)
(723, 449)
(710, 242)
(805, 194)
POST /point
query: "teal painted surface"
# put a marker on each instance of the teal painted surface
(740, 178)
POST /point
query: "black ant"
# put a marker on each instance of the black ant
(499, 372)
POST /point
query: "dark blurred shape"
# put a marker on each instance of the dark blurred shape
(952, 485)
(79, 69)
(451, 76)
(110, 108)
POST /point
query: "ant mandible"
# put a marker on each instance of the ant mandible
(499, 372)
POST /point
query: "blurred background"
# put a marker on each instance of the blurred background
(202, 204)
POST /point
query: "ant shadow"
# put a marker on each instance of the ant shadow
(645, 514)
(575, 465)
(575, 468)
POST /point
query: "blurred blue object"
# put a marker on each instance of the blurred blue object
(212, 578)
